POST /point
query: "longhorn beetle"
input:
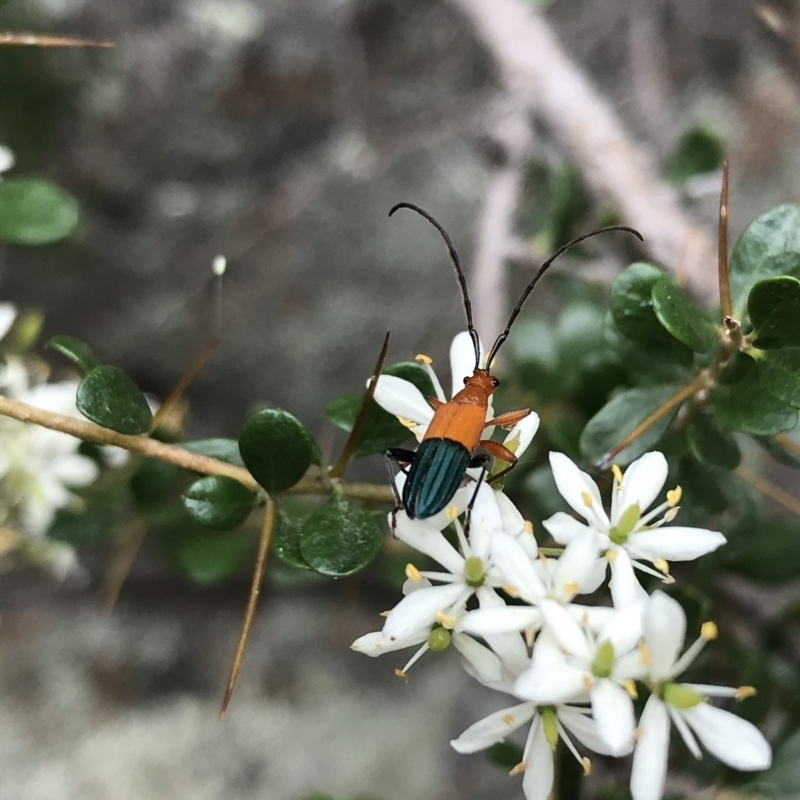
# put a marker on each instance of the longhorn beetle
(436, 468)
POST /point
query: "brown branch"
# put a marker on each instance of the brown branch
(545, 81)
(768, 489)
(43, 40)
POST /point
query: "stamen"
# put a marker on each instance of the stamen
(530, 637)
(617, 473)
(445, 620)
(644, 654)
(401, 674)
(510, 590)
(709, 631)
(630, 687)
(674, 496)
(671, 514)
(521, 767)
(571, 588)
(423, 359)
(508, 719)
(412, 573)
(384, 613)
(570, 746)
(452, 512)
(637, 734)
(743, 692)
(611, 555)
(586, 681)
(662, 565)
(528, 527)
(413, 660)
(219, 265)
(406, 423)
(587, 498)
(587, 766)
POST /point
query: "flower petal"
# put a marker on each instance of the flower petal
(376, 644)
(494, 728)
(733, 740)
(649, 772)
(624, 628)
(612, 708)
(664, 628)
(574, 566)
(572, 484)
(416, 612)
(462, 360)
(485, 522)
(551, 680)
(567, 631)
(523, 432)
(642, 482)
(624, 585)
(479, 661)
(564, 528)
(516, 568)
(510, 646)
(583, 727)
(422, 536)
(401, 398)
(488, 621)
(513, 521)
(537, 782)
(674, 544)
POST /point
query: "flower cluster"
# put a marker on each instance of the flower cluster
(39, 468)
(574, 670)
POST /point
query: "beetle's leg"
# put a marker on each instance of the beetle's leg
(500, 451)
(480, 460)
(509, 418)
(436, 403)
(401, 456)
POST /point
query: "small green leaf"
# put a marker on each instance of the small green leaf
(712, 444)
(277, 448)
(681, 317)
(621, 416)
(340, 538)
(699, 151)
(226, 450)
(381, 430)
(782, 780)
(631, 306)
(108, 397)
(34, 211)
(286, 540)
(74, 349)
(741, 402)
(779, 374)
(204, 557)
(771, 553)
(219, 502)
(774, 308)
(770, 246)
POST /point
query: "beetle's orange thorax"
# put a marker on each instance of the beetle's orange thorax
(464, 417)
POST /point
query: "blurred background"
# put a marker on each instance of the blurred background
(279, 133)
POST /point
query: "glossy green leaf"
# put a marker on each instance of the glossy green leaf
(340, 538)
(34, 211)
(286, 540)
(381, 429)
(741, 402)
(226, 450)
(219, 502)
(779, 374)
(621, 416)
(155, 485)
(699, 151)
(782, 780)
(774, 308)
(108, 397)
(277, 448)
(75, 350)
(677, 312)
(205, 557)
(631, 306)
(770, 246)
(712, 444)
(771, 553)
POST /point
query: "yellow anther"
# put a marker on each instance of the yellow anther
(674, 496)
(637, 734)
(401, 674)
(508, 719)
(587, 766)
(587, 682)
(452, 512)
(617, 473)
(384, 613)
(530, 637)
(445, 620)
(611, 555)
(709, 631)
(644, 654)
(587, 498)
(406, 423)
(521, 767)
(743, 692)
(630, 688)
(668, 580)
(510, 590)
(571, 588)
(662, 565)
(671, 514)
(423, 359)
(412, 573)
(528, 527)
(585, 618)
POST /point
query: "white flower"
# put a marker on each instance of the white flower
(548, 723)
(571, 664)
(731, 739)
(6, 161)
(628, 535)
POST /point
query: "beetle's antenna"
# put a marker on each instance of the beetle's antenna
(561, 250)
(462, 281)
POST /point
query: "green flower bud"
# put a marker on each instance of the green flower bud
(439, 639)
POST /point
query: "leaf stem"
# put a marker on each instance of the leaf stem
(786, 441)
(768, 489)
(726, 305)
(252, 602)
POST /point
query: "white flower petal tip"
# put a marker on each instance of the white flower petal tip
(8, 312)
(462, 360)
(642, 481)
(612, 709)
(401, 398)
(522, 433)
(649, 771)
(6, 159)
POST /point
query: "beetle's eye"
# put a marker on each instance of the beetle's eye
(495, 382)
(466, 379)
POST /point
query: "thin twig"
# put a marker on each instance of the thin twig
(340, 466)
(43, 40)
(252, 602)
(726, 306)
(768, 489)
(127, 550)
(786, 441)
